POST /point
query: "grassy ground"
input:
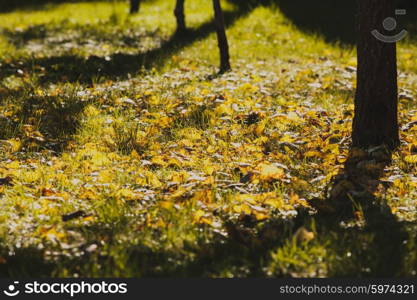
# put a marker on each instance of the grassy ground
(123, 154)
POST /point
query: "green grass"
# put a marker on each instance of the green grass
(175, 171)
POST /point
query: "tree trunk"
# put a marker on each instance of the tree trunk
(221, 37)
(179, 14)
(376, 100)
(134, 6)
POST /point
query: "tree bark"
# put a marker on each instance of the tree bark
(376, 99)
(180, 16)
(221, 37)
(134, 6)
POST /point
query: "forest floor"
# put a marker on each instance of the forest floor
(122, 153)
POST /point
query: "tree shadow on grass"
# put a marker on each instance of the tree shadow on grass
(55, 117)
(24, 263)
(362, 237)
(58, 120)
(74, 68)
(336, 20)
(372, 242)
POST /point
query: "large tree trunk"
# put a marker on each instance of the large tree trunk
(180, 16)
(134, 6)
(221, 37)
(376, 100)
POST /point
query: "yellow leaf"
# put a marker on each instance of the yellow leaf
(105, 176)
(270, 172)
(166, 204)
(154, 100)
(411, 159)
(89, 218)
(164, 122)
(224, 109)
(198, 215)
(260, 127)
(296, 200)
(209, 170)
(210, 149)
(206, 221)
(135, 155)
(13, 165)
(275, 202)
(153, 180)
(50, 233)
(260, 216)
(252, 199)
(249, 88)
(178, 193)
(205, 196)
(242, 208)
(190, 133)
(159, 161)
(313, 154)
(14, 145)
(88, 194)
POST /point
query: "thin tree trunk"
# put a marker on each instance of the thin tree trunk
(376, 100)
(221, 37)
(134, 6)
(180, 16)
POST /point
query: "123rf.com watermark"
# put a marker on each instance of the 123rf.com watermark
(71, 289)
